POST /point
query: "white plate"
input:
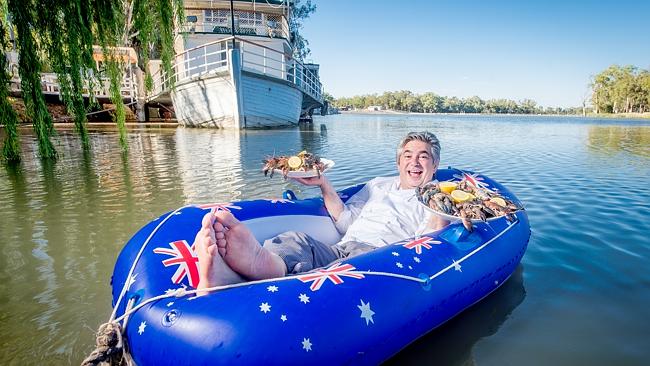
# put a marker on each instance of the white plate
(308, 173)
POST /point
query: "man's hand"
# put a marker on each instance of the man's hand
(312, 181)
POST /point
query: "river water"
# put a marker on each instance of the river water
(580, 296)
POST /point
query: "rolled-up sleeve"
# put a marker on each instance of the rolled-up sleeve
(352, 209)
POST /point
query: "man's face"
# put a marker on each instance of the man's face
(416, 165)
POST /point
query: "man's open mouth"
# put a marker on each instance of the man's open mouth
(414, 173)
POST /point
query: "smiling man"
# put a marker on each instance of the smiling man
(384, 211)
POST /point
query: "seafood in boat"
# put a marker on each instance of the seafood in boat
(466, 201)
(302, 162)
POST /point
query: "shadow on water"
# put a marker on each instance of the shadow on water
(452, 343)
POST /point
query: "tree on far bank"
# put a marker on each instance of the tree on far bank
(621, 89)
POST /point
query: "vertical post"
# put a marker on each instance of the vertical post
(264, 52)
(232, 21)
(234, 67)
(205, 59)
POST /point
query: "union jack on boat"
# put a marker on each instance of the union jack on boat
(360, 311)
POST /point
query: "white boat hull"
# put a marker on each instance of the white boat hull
(232, 98)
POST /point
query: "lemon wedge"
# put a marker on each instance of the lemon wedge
(447, 187)
(460, 196)
(294, 162)
(499, 201)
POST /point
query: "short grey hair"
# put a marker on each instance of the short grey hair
(424, 136)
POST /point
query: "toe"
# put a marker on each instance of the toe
(207, 220)
(221, 243)
(226, 218)
(218, 226)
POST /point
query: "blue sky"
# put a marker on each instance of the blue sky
(545, 51)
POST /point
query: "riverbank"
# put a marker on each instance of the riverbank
(62, 118)
(107, 126)
(645, 115)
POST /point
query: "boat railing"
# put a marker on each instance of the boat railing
(212, 57)
(247, 23)
(97, 89)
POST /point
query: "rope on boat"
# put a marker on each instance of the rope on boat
(92, 113)
(181, 292)
(110, 347)
(110, 342)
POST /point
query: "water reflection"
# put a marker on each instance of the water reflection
(452, 343)
(615, 139)
(212, 171)
(63, 225)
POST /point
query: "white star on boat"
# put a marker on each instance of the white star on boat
(457, 266)
(395, 254)
(306, 344)
(398, 264)
(131, 281)
(272, 288)
(366, 312)
(141, 327)
(304, 298)
(170, 303)
(265, 307)
(283, 318)
(416, 259)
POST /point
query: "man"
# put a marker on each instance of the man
(384, 211)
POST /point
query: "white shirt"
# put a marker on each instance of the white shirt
(381, 213)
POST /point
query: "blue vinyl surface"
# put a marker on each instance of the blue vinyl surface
(356, 312)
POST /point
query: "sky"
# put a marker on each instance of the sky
(546, 51)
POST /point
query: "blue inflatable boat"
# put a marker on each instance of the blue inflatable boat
(360, 311)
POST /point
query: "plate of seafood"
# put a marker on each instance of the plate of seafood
(464, 201)
(301, 165)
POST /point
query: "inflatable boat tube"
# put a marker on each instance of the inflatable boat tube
(360, 311)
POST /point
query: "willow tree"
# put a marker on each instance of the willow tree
(11, 147)
(63, 32)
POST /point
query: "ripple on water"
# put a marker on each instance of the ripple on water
(582, 183)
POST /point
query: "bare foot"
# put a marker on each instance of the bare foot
(242, 252)
(213, 271)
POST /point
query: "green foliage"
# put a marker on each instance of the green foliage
(300, 12)
(63, 32)
(621, 90)
(407, 101)
(68, 41)
(8, 118)
(24, 14)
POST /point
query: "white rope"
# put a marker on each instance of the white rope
(135, 261)
(92, 113)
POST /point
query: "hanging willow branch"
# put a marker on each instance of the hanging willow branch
(8, 118)
(29, 66)
(64, 33)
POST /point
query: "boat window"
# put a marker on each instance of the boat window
(218, 16)
(250, 19)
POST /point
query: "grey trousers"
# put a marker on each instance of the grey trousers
(302, 253)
